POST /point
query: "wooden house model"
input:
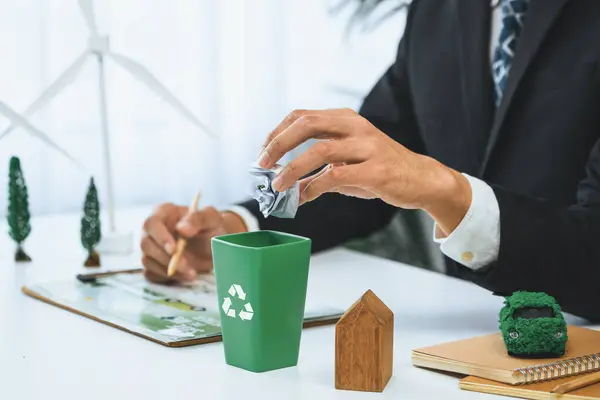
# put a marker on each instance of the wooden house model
(364, 351)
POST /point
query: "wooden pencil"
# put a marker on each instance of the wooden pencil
(181, 242)
(585, 380)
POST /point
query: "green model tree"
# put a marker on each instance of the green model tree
(18, 208)
(90, 225)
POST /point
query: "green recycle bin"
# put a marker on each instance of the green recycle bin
(261, 283)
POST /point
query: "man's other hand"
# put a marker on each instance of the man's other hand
(167, 223)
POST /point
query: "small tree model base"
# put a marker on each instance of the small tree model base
(90, 225)
(21, 256)
(93, 260)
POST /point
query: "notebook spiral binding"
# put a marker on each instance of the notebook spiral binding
(570, 367)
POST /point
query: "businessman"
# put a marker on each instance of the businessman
(488, 120)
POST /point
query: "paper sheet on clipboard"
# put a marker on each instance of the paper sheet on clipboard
(174, 316)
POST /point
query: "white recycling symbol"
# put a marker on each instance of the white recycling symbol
(247, 313)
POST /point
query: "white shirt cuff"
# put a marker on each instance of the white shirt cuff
(246, 216)
(476, 240)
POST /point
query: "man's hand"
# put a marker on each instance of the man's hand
(166, 224)
(362, 161)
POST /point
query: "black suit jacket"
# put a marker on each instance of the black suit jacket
(538, 150)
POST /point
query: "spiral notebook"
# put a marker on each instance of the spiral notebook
(486, 357)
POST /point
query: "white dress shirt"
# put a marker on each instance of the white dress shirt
(476, 240)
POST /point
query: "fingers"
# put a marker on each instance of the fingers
(203, 266)
(294, 115)
(152, 277)
(198, 222)
(303, 129)
(190, 265)
(302, 184)
(153, 250)
(193, 262)
(330, 181)
(158, 242)
(157, 272)
(155, 227)
(326, 152)
(187, 264)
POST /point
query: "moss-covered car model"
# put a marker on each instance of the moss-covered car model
(533, 326)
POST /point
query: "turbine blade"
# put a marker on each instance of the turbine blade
(64, 80)
(18, 119)
(146, 77)
(87, 9)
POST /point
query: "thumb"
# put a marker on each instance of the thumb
(196, 222)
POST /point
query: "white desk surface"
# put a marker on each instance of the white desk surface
(49, 353)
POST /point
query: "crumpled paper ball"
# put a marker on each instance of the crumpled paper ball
(271, 202)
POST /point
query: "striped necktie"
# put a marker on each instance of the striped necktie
(513, 15)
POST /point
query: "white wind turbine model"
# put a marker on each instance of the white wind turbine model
(98, 48)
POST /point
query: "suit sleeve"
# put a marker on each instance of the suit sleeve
(334, 219)
(548, 248)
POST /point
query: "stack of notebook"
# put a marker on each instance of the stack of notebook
(491, 370)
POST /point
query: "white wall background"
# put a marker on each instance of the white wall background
(240, 65)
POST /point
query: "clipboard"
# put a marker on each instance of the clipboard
(171, 315)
